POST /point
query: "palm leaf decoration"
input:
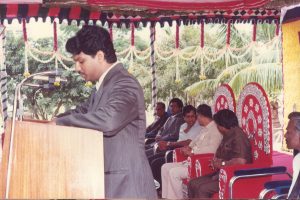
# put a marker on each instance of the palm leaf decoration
(229, 72)
(268, 75)
(204, 85)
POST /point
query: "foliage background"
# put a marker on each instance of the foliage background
(266, 70)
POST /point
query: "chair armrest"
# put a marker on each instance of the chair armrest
(282, 189)
(198, 165)
(230, 174)
(178, 156)
(270, 188)
(259, 171)
(169, 156)
(274, 184)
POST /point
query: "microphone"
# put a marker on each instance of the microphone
(50, 79)
(50, 76)
(53, 78)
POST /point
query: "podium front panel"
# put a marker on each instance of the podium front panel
(53, 162)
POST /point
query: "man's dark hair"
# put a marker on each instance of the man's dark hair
(296, 117)
(162, 105)
(91, 39)
(205, 110)
(187, 109)
(177, 101)
(226, 118)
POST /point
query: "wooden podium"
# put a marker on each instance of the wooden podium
(52, 162)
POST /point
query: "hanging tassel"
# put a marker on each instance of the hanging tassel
(202, 34)
(26, 70)
(254, 32)
(24, 30)
(277, 28)
(202, 74)
(54, 36)
(254, 41)
(228, 32)
(130, 68)
(177, 37)
(227, 43)
(132, 34)
(177, 80)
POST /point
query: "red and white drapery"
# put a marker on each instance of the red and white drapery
(20, 1)
(180, 5)
(183, 5)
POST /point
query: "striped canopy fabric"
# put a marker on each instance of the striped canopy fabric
(20, 1)
(182, 5)
(110, 13)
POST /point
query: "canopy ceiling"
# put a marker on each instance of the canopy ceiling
(141, 11)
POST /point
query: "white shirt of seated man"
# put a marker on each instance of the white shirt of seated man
(172, 173)
(191, 134)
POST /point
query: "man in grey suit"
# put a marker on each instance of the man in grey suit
(116, 107)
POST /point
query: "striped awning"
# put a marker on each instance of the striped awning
(182, 5)
(139, 11)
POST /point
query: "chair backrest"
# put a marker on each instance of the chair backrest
(254, 115)
(223, 99)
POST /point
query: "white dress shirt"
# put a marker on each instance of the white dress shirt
(296, 169)
(99, 82)
(208, 140)
(191, 134)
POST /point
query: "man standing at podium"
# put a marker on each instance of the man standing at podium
(115, 107)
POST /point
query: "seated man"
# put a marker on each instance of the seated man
(235, 149)
(293, 142)
(206, 142)
(161, 118)
(170, 130)
(188, 131)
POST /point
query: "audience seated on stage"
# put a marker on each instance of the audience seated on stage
(170, 130)
(161, 117)
(188, 131)
(235, 149)
(206, 142)
(293, 142)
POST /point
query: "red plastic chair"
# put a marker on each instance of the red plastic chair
(246, 181)
(223, 99)
(201, 163)
(254, 114)
(198, 165)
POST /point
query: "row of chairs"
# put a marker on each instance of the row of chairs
(244, 181)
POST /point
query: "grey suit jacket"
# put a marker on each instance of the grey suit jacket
(170, 130)
(117, 109)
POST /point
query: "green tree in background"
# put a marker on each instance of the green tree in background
(264, 69)
(43, 103)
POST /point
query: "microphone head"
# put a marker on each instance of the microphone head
(52, 77)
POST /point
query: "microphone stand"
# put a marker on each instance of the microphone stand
(18, 107)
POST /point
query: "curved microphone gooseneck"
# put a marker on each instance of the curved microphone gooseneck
(17, 104)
